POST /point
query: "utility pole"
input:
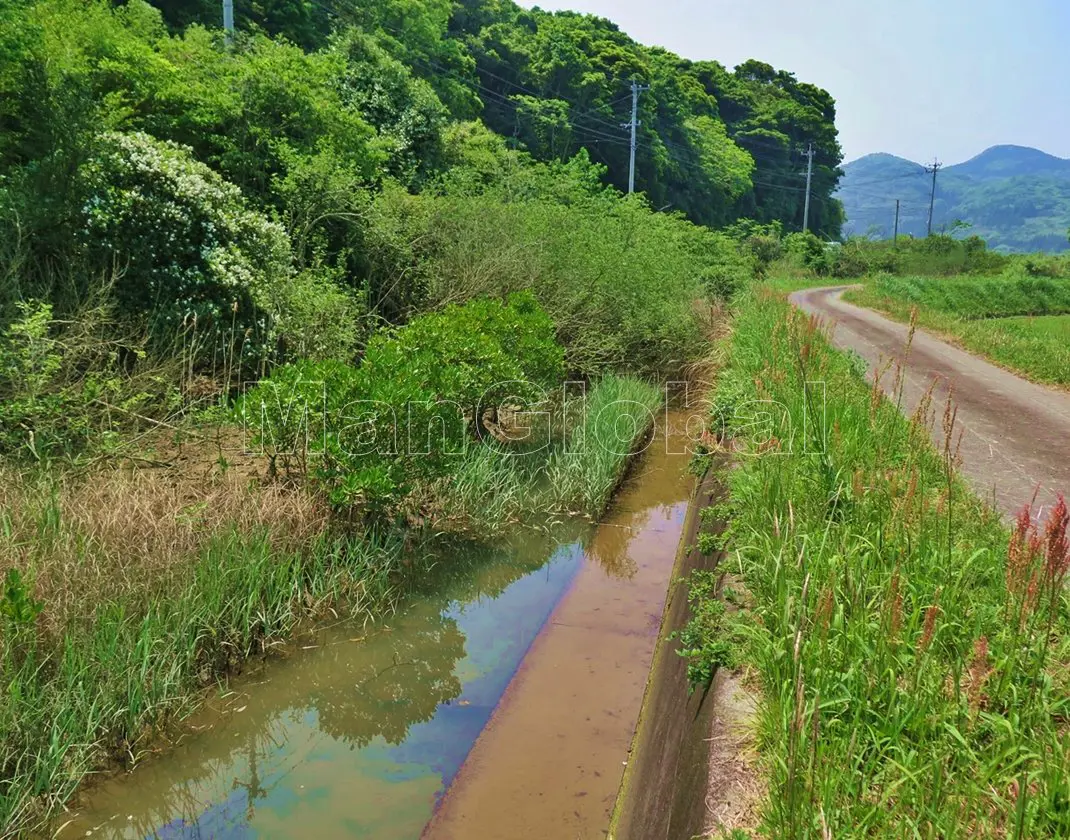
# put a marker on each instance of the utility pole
(932, 196)
(228, 20)
(896, 239)
(634, 126)
(809, 181)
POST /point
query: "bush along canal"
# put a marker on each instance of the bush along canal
(500, 701)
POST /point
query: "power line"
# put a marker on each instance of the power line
(854, 184)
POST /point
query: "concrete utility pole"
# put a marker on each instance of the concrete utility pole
(228, 19)
(634, 126)
(896, 238)
(809, 181)
(932, 196)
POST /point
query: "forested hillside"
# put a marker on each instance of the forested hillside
(714, 144)
(295, 186)
(1015, 198)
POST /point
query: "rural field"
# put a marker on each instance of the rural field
(1019, 322)
(392, 446)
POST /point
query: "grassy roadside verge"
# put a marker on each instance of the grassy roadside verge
(133, 593)
(912, 657)
(1005, 320)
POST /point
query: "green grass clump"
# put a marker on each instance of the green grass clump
(986, 317)
(573, 473)
(621, 412)
(1046, 326)
(91, 675)
(913, 660)
(972, 298)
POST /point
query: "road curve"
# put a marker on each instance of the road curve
(1017, 433)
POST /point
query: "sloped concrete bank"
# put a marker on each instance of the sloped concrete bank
(549, 763)
(663, 795)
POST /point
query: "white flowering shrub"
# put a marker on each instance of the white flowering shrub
(181, 240)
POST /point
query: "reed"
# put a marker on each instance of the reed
(575, 473)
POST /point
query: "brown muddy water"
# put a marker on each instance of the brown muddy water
(501, 703)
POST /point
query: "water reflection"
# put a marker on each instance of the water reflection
(359, 736)
(663, 499)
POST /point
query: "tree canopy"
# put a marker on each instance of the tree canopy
(714, 143)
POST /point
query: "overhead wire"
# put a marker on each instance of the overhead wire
(595, 115)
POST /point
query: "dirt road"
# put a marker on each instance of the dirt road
(1017, 433)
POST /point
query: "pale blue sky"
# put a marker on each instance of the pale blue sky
(916, 78)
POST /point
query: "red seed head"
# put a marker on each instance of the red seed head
(1057, 547)
(1017, 551)
(978, 672)
(929, 628)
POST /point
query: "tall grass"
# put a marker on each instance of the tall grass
(127, 637)
(975, 297)
(981, 315)
(913, 657)
(620, 415)
(573, 473)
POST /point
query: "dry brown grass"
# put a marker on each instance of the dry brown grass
(715, 322)
(88, 539)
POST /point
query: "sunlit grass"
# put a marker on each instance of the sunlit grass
(575, 473)
(984, 316)
(914, 671)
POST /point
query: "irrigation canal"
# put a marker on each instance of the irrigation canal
(501, 703)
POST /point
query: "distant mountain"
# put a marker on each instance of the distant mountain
(1015, 197)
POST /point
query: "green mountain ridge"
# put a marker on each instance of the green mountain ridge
(1015, 197)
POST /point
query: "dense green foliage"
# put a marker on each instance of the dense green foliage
(978, 297)
(620, 283)
(912, 667)
(221, 211)
(266, 203)
(323, 223)
(715, 144)
(1017, 199)
(417, 398)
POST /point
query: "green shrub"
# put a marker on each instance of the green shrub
(316, 316)
(937, 255)
(707, 640)
(619, 281)
(185, 241)
(71, 387)
(418, 397)
(1037, 265)
(17, 605)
